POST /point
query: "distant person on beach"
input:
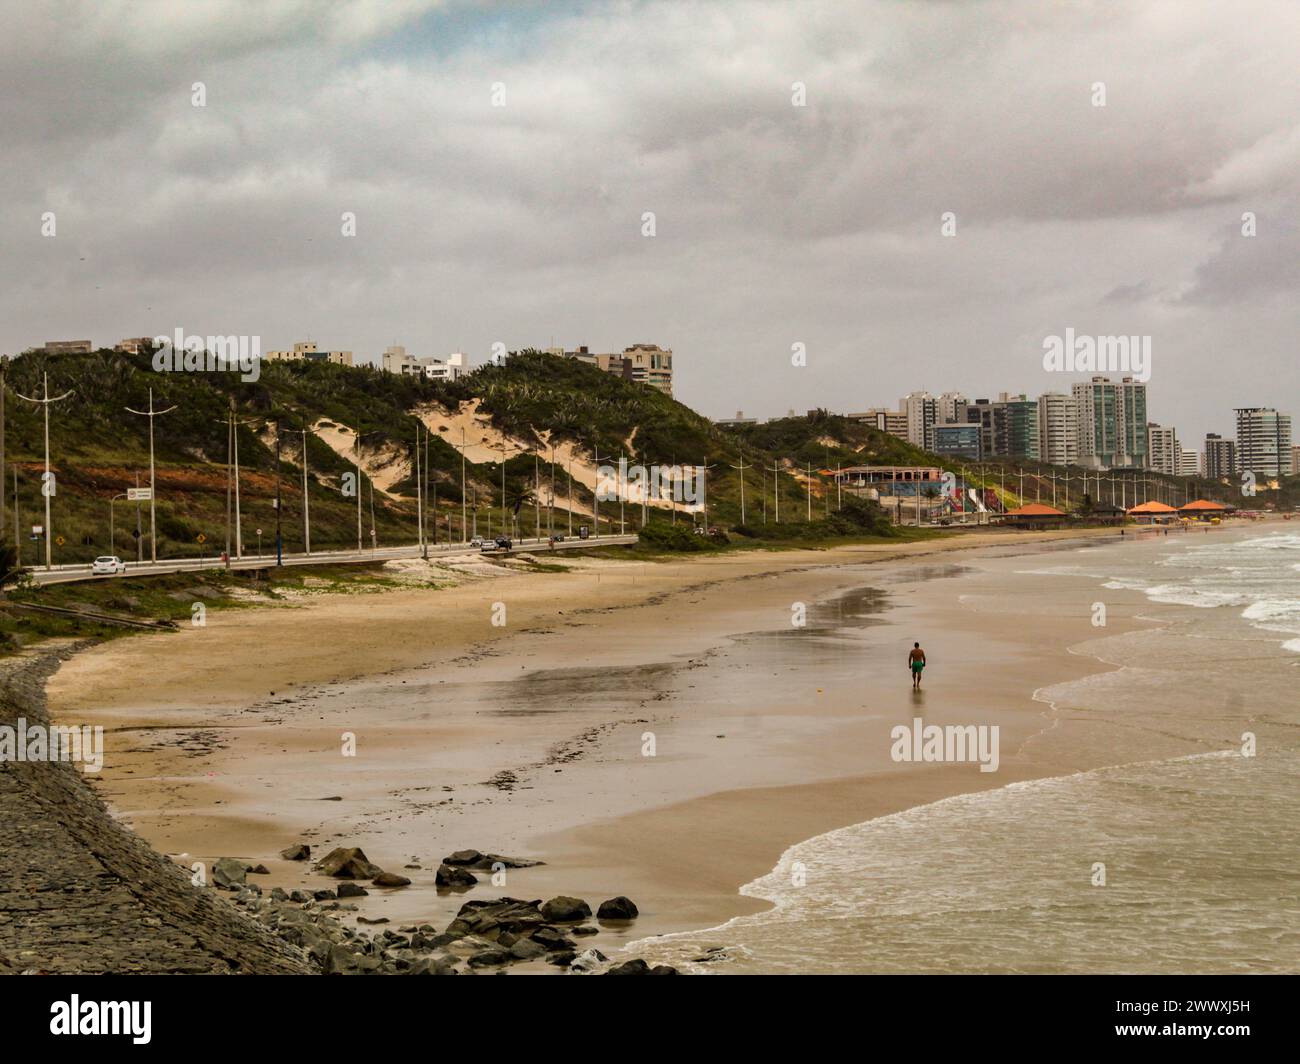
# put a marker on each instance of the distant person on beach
(916, 662)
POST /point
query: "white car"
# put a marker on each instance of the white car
(108, 565)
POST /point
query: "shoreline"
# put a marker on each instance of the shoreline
(636, 848)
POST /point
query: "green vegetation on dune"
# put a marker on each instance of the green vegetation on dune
(98, 450)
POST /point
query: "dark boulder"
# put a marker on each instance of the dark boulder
(449, 876)
(228, 873)
(619, 908)
(390, 879)
(632, 967)
(299, 851)
(352, 890)
(348, 862)
(489, 958)
(564, 909)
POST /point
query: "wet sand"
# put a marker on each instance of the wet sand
(532, 738)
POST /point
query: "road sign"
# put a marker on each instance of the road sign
(135, 533)
(139, 494)
(59, 540)
(201, 538)
(259, 531)
(38, 530)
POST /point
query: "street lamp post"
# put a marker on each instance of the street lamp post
(47, 481)
(151, 413)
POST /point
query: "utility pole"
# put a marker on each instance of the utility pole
(570, 496)
(464, 538)
(151, 413)
(428, 480)
(356, 448)
(595, 495)
(776, 492)
(742, 467)
(232, 457)
(47, 481)
(810, 493)
(230, 433)
(537, 500)
(279, 539)
(622, 489)
(419, 496)
(306, 500)
(550, 513)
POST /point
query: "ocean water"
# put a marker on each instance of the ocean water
(1182, 864)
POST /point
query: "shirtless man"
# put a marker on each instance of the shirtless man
(916, 662)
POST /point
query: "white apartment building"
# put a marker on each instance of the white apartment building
(1263, 441)
(922, 410)
(1189, 464)
(395, 359)
(1163, 450)
(950, 409)
(1058, 429)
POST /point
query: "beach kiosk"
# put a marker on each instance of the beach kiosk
(1204, 510)
(1035, 515)
(1153, 513)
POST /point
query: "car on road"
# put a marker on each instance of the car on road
(108, 565)
(477, 541)
(492, 545)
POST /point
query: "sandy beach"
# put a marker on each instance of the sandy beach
(656, 730)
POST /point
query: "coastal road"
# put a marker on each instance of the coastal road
(67, 574)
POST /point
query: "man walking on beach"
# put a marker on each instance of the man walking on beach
(916, 662)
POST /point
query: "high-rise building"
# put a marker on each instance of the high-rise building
(1263, 441)
(651, 364)
(922, 410)
(1058, 429)
(1163, 450)
(950, 409)
(1295, 460)
(1220, 457)
(1189, 463)
(1112, 422)
(994, 426)
(1022, 426)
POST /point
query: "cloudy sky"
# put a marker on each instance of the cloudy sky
(774, 224)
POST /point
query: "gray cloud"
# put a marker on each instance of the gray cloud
(776, 224)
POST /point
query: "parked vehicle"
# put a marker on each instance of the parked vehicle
(503, 543)
(584, 532)
(477, 541)
(108, 565)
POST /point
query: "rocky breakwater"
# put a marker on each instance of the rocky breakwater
(80, 893)
(486, 935)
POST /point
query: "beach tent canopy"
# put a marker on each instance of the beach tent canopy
(1152, 507)
(1204, 506)
(1035, 509)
